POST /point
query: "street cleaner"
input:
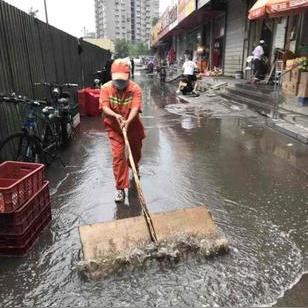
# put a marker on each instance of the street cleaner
(112, 246)
(121, 102)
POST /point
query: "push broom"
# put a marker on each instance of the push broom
(109, 246)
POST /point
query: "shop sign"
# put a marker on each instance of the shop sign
(155, 32)
(201, 3)
(185, 8)
(173, 14)
(164, 20)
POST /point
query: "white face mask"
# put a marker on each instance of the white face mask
(120, 84)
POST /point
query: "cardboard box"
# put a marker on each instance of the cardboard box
(304, 78)
(302, 90)
(286, 78)
(295, 75)
(303, 85)
(285, 85)
(291, 88)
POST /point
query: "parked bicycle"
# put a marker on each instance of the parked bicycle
(39, 139)
(61, 101)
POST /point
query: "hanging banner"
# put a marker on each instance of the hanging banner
(185, 8)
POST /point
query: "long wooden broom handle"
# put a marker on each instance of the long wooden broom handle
(144, 207)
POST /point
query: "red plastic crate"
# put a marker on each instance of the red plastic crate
(19, 181)
(92, 102)
(6, 250)
(82, 98)
(17, 222)
(22, 240)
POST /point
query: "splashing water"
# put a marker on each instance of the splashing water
(179, 248)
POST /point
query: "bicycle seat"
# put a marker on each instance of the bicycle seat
(65, 94)
(48, 110)
(63, 101)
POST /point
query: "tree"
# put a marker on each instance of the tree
(33, 13)
(154, 21)
(121, 47)
(138, 49)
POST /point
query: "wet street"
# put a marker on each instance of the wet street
(253, 179)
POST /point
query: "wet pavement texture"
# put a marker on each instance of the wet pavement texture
(253, 179)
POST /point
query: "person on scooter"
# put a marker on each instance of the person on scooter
(189, 68)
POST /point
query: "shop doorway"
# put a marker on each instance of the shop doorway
(267, 37)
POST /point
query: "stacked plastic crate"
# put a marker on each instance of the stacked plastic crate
(25, 208)
(88, 99)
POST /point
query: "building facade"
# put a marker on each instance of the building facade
(222, 31)
(125, 19)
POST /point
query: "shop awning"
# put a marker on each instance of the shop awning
(276, 8)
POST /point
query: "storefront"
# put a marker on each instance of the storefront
(297, 34)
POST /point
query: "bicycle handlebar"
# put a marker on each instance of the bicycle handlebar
(13, 98)
(22, 99)
(64, 85)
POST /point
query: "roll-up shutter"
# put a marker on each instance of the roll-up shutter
(235, 31)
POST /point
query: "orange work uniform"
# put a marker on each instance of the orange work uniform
(122, 104)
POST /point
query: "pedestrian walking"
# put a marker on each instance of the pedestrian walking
(121, 102)
(257, 53)
(132, 62)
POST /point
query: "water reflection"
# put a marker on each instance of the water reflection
(131, 207)
(202, 153)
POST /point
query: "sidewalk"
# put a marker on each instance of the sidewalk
(293, 119)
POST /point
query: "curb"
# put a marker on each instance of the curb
(292, 130)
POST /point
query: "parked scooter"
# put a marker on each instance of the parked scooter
(187, 85)
(99, 77)
(61, 102)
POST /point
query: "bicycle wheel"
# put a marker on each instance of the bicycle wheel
(66, 131)
(21, 147)
(51, 143)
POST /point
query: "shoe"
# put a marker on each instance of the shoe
(120, 196)
(195, 94)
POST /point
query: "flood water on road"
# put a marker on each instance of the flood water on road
(253, 179)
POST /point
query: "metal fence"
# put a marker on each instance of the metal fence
(32, 51)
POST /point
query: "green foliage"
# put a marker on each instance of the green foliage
(303, 64)
(124, 48)
(138, 49)
(154, 21)
(121, 47)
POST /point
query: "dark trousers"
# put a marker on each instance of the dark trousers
(258, 68)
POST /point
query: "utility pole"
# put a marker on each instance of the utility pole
(46, 15)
